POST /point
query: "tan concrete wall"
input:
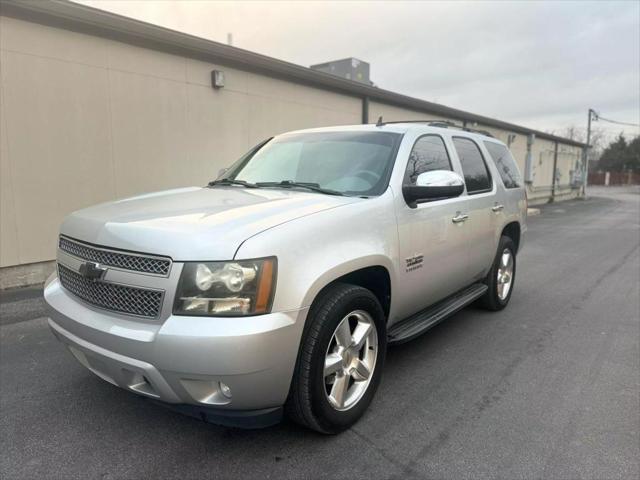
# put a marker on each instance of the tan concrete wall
(542, 155)
(85, 120)
(539, 191)
(390, 113)
(518, 144)
(542, 152)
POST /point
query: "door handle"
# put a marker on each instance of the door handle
(459, 218)
(497, 208)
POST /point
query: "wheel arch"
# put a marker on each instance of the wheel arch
(513, 231)
(372, 273)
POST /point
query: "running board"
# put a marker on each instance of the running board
(420, 322)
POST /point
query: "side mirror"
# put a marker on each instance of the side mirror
(436, 184)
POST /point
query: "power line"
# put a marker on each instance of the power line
(598, 117)
(612, 130)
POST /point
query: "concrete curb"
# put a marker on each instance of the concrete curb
(23, 275)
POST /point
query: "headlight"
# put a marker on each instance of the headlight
(244, 287)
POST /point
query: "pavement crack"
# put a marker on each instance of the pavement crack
(490, 396)
(571, 427)
(404, 466)
(619, 264)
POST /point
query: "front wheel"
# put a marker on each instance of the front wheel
(340, 361)
(501, 277)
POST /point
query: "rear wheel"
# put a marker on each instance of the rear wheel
(340, 361)
(501, 277)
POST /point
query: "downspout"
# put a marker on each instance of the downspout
(365, 110)
(555, 169)
(528, 163)
(528, 160)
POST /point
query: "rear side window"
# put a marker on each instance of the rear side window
(505, 163)
(429, 153)
(476, 174)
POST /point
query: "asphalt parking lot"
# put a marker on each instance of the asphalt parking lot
(548, 388)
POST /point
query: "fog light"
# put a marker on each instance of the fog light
(224, 388)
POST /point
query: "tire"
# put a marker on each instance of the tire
(495, 298)
(312, 400)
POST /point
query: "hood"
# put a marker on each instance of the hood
(193, 223)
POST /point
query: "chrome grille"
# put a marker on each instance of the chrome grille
(112, 296)
(126, 261)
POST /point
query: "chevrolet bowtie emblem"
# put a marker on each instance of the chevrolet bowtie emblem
(92, 270)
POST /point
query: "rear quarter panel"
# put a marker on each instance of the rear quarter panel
(513, 199)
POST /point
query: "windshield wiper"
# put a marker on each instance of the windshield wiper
(229, 181)
(315, 187)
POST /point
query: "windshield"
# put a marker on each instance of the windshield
(352, 163)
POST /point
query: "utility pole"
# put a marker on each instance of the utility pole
(555, 169)
(585, 168)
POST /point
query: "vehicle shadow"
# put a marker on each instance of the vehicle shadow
(84, 424)
(402, 363)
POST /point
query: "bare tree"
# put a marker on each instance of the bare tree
(573, 133)
(598, 140)
(598, 144)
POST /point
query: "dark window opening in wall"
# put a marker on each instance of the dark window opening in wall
(476, 174)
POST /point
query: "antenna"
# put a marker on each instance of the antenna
(380, 122)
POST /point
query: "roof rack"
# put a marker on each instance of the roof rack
(437, 123)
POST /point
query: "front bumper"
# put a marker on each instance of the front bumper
(182, 360)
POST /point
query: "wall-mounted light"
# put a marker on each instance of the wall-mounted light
(217, 79)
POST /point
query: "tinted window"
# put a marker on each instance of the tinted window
(506, 164)
(429, 153)
(476, 175)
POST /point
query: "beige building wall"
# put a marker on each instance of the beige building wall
(542, 154)
(542, 158)
(517, 145)
(391, 113)
(569, 161)
(85, 120)
(539, 191)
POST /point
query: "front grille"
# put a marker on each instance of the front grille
(126, 261)
(111, 296)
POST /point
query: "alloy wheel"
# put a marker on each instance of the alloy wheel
(505, 274)
(350, 360)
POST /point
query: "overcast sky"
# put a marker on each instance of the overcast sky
(539, 64)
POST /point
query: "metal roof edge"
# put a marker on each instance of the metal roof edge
(83, 19)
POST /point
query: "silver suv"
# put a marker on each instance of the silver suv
(277, 287)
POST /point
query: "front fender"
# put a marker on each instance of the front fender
(345, 268)
(315, 250)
